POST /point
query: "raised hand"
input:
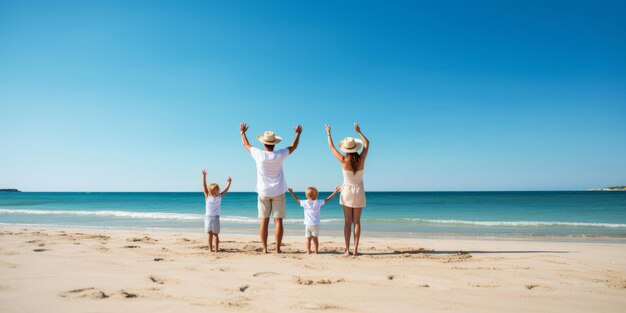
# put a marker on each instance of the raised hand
(338, 188)
(243, 127)
(229, 179)
(203, 172)
(298, 129)
(327, 129)
(289, 189)
(357, 128)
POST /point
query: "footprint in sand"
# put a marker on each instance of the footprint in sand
(145, 239)
(132, 247)
(312, 267)
(304, 281)
(264, 274)
(93, 293)
(156, 279)
(535, 286)
(237, 302)
(251, 248)
(101, 237)
(89, 292)
(123, 294)
(40, 250)
(319, 306)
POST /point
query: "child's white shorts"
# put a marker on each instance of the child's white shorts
(212, 224)
(311, 230)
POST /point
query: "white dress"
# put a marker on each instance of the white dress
(352, 191)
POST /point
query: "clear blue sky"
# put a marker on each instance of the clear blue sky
(454, 95)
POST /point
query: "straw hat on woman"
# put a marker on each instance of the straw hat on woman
(352, 192)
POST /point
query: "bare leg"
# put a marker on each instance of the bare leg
(347, 227)
(308, 245)
(317, 245)
(265, 222)
(278, 233)
(211, 241)
(217, 242)
(356, 218)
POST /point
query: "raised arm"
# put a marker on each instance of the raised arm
(337, 189)
(294, 144)
(243, 128)
(206, 189)
(293, 194)
(229, 180)
(366, 142)
(331, 144)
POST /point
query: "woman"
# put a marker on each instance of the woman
(352, 192)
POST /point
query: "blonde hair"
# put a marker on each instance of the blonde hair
(311, 192)
(214, 189)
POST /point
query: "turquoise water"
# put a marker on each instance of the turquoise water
(575, 213)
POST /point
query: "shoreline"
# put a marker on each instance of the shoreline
(601, 238)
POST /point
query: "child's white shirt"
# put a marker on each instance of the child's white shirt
(311, 211)
(213, 205)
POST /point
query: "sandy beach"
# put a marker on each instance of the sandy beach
(91, 270)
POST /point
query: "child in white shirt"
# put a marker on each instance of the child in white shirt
(311, 208)
(213, 202)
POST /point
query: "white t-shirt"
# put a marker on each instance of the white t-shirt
(270, 179)
(312, 211)
(213, 205)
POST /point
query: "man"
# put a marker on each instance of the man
(270, 183)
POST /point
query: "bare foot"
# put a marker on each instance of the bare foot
(316, 252)
(212, 250)
(356, 253)
(346, 253)
(265, 250)
(308, 252)
(278, 251)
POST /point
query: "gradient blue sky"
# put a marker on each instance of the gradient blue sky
(454, 95)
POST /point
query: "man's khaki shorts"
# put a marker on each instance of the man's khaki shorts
(276, 204)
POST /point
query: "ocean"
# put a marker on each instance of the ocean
(577, 214)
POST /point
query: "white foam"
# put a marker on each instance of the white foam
(518, 223)
(254, 220)
(151, 215)
(128, 214)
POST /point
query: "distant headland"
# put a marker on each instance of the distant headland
(9, 190)
(613, 188)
